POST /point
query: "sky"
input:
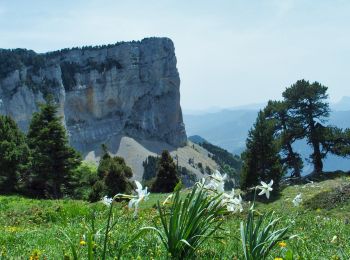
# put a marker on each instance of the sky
(229, 53)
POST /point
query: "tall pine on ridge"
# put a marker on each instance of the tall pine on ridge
(261, 160)
(309, 106)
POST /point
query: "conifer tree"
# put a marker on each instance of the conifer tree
(150, 166)
(113, 174)
(309, 106)
(53, 160)
(166, 178)
(261, 160)
(14, 155)
(288, 130)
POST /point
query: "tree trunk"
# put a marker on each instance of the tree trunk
(294, 162)
(317, 158)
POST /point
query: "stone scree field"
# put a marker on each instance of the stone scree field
(37, 229)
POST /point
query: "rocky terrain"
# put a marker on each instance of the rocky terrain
(126, 89)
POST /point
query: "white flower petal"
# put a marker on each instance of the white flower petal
(271, 183)
(138, 185)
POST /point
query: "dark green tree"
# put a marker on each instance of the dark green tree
(113, 177)
(53, 160)
(150, 167)
(308, 105)
(287, 130)
(261, 160)
(335, 141)
(167, 177)
(14, 154)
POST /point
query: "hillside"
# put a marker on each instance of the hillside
(228, 163)
(135, 153)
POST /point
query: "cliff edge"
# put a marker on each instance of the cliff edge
(124, 89)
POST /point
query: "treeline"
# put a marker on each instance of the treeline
(301, 115)
(42, 164)
(15, 59)
(154, 166)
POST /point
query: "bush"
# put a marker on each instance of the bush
(113, 175)
(85, 176)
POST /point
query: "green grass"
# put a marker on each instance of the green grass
(27, 225)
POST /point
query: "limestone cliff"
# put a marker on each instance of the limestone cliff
(129, 88)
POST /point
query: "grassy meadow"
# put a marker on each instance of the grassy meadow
(41, 229)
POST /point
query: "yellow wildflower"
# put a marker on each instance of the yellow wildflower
(278, 258)
(12, 229)
(82, 243)
(35, 255)
(282, 244)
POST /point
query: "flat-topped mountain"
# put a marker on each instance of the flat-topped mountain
(125, 89)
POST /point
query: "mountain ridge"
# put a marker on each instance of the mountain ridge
(127, 88)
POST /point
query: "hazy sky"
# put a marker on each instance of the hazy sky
(229, 53)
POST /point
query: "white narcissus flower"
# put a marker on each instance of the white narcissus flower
(220, 187)
(217, 182)
(229, 196)
(235, 204)
(107, 201)
(142, 194)
(265, 188)
(218, 176)
(297, 200)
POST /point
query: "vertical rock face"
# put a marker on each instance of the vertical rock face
(129, 88)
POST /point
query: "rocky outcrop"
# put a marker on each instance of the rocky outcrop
(129, 88)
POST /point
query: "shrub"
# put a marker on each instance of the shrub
(84, 177)
(113, 175)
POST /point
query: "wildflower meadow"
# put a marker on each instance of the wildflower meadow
(203, 222)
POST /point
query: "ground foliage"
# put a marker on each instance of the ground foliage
(30, 227)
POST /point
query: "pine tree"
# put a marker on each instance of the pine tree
(288, 130)
(166, 178)
(261, 160)
(309, 107)
(14, 154)
(53, 160)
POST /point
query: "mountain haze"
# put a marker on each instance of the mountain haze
(229, 129)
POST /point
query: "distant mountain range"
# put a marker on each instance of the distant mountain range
(228, 128)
